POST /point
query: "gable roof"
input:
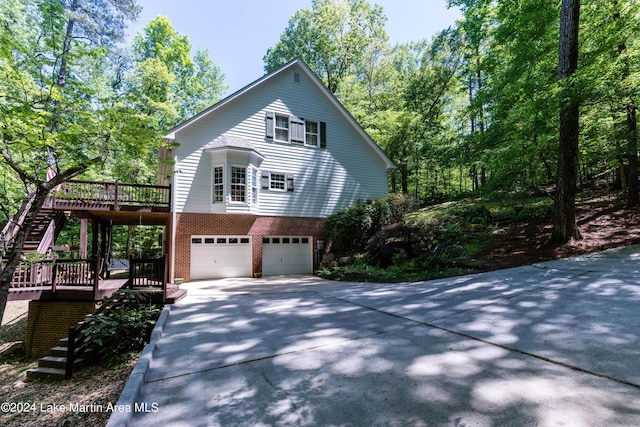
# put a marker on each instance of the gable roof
(302, 66)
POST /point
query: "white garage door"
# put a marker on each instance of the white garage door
(287, 255)
(214, 257)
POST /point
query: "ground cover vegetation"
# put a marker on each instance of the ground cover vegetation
(474, 233)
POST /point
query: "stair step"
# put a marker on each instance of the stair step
(61, 351)
(60, 362)
(58, 351)
(41, 373)
(175, 296)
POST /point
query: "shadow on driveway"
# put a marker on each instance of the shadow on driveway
(552, 344)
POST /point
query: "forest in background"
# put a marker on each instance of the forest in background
(477, 106)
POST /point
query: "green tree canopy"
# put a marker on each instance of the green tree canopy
(192, 82)
(333, 38)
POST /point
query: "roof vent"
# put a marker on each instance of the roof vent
(296, 77)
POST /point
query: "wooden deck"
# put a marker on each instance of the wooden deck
(81, 293)
(76, 280)
(105, 204)
(113, 203)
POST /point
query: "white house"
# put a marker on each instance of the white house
(255, 175)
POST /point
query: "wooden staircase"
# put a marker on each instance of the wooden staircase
(46, 227)
(57, 366)
(53, 367)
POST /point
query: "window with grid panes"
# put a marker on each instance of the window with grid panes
(238, 184)
(282, 128)
(218, 184)
(277, 181)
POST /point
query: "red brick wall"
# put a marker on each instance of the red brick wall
(49, 321)
(188, 224)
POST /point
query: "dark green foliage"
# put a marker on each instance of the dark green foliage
(395, 240)
(444, 244)
(473, 215)
(528, 213)
(349, 230)
(123, 332)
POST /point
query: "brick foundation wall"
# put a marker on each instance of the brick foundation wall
(49, 321)
(188, 224)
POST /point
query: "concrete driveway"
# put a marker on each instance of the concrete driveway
(551, 344)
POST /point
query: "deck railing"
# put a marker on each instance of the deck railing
(57, 272)
(116, 195)
(53, 273)
(148, 273)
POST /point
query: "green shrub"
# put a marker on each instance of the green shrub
(347, 229)
(473, 215)
(350, 230)
(394, 244)
(531, 212)
(125, 331)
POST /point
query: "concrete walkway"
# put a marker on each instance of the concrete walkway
(551, 344)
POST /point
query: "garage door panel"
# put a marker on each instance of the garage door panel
(214, 257)
(287, 255)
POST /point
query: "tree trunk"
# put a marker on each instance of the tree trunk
(633, 197)
(30, 208)
(404, 179)
(565, 227)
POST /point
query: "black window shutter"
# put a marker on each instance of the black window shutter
(269, 124)
(323, 134)
(289, 182)
(264, 179)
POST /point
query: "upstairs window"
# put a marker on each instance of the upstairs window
(238, 184)
(311, 133)
(282, 128)
(218, 184)
(297, 130)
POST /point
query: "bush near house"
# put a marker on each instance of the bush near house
(125, 332)
(349, 231)
(418, 244)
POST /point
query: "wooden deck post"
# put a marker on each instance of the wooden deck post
(96, 276)
(94, 238)
(116, 205)
(84, 237)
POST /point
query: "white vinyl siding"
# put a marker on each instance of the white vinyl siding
(326, 180)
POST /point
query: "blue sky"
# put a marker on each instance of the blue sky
(237, 33)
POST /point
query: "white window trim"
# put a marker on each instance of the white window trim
(276, 128)
(294, 134)
(284, 181)
(231, 184)
(254, 185)
(317, 123)
(213, 184)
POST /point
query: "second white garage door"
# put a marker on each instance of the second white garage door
(287, 255)
(215, 257)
